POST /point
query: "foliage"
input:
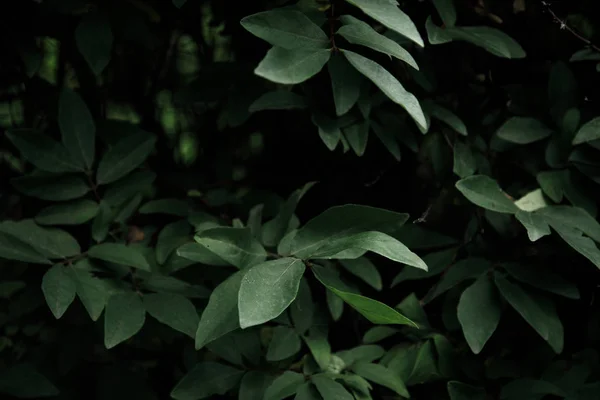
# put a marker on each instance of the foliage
(203, 199)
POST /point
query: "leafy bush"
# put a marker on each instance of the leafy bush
(203, 199)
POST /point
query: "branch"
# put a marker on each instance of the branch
(564, 26)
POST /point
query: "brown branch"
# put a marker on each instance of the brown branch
(564, 26)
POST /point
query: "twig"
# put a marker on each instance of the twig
(564, 26)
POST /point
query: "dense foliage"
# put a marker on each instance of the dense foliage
(211, 199)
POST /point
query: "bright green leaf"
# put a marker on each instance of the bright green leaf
(237, 246)
(534, 223)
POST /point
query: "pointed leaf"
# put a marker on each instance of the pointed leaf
(278, 100)
(380, 375)
(285, 385)
(462, 391)
(364, 269)
(469, 268)
(446, 116)
(290, 67)
(534, 223)
(330, 389)
(284, 343)
(329, 131)
(119, 254)
(173, 310)
(94, 40)
(42, 151)
(165, 206)
(12, 248)
(254, 384)
(23, 381)
(302, 308)
(53, 188)
(345, 84)
(206, 379)
(124, 317)
(447, 13)
(523, 130)
(267, 289)
(307, 391)
(464, 161)
(59, 289)
(49, 242)
(125, 156)
(378, 333)
(73, 213)
(358, 135)
(542, 279)
(485, 192)
(588, 132)
(77, 128)
(237, 246)
(170, 238)
(92, 292)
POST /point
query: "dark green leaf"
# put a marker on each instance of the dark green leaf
(464, 161)
(59, 289)
(486, 193)
(53, 188)
(588, 132)
(290, 67)
(284, 343)
(173, 310)
(330, 389)
(363, 268)
(345, 83)
(302, 308)
(125, 156)
(165, 206)
(329, 131)
(542, 279)
(447, 13)
(254, 384)
(278, 100)
(124, 317)
(335, 304)
(437, 263)
(77, 128)
(307, 392)
(380, 375)
(469, 268)
(523, 130)
(72, 213)
(119, 254)
(13, 249)
(43, 152)
(284, 385)
(94, 40)
(378, 333)
(170, 238)
(534, 223)
(92, 292)
(23, 381)
(236, 246)
(357, 136)
(462, 391)
(448, 117)
(365, 353)
(49, 242)
(206, 379)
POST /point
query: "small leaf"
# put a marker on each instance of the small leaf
(389, 15)
(535, 224)
(447, 13)
(200, 254)
(380, 375)
(124, 317)
(378, 333)
(588, 132)
(170, 238)
(284, 343)
(285, 385)
(102, 221)
(523, 130)
(119, 254)
(388, 139)
(290, 67)
(234, 245)
(363, 268)
(585, 246)
(173, 310)
(73, 213)
(319, 346)
(59, 289)
(165, 206)
(278, 100)
(538, 312)
(329, 131)
(94, 40)
(542, 279)
(345, 84)
(43, 152)
(464, 161)
(389, 85)
(330, 389)
(125, 156)
(358, 32)
(77, 128)
(285, 28)
(462, 391)
(479, 312)
(206, 379)
(267, 289)
(553, 183)
(374, 311)
(532, 201)
(335, 304)
(485, 192)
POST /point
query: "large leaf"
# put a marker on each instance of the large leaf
(119, 254)
(291, 66)
(380, 375)
(124, 317)
(358, 32)
(13, 249)
(446, 116)
(542, 279)
(479, 312)
(588, 132)
(59, 289)
(254, 384)
(330, 389)
(388, 14)
(237, 246)
(53, 188)
(284, 343)
(73, 213)
(77, 128)
(523, 130)
(284, 385)
(94, 40)
(125, 156)
(49, 242)
(537, 311)
(571, 217)
(289, 29)
(389, 85)
(339, 222)
(584, 245)
(173, 310)
(267, 289)
(364, 269)
(345, 84)
(42, 151)
(221, 314)
(374, 311)
(206, 379)
(170, 238)
(485, 192)
(447, 13)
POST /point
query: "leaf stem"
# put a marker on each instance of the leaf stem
(564, 26)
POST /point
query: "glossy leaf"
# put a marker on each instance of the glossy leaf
(124, 317)
(291, 67)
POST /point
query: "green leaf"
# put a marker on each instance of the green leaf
(179, 3)
(170, 285)
(284, 343)
(580, 243)
(302, 308)
(170, 238)
(286, 28)
(318, 344)
(165, 206)
(53, 187)
(77, 128)
(12, 248)
(542, 279)
(124, 317)
(571, 217)
(462, 391)
(389, 85)
(285, 385)
(534, 223)
(531, 388)
(365, 353)
(173, 310)
(537, 311)
(254, 222)
(278, 100)
(363, 268)
(94, 40)
(446, 116)
(447, 13)
(479, 312)
(329, 131)
(92, 292)
(340, 222)
(59, 289)
(221, 314)
(523, 130)
(388, 139)
(374, 311)
(335, 304)
(102, 221)
(378, 333)
(357, 136)
(72, 213)
(206, 379)
(437, 262)
(345, 84)
(483, 191)
(588, 132)
(412, 308)
(290, 67)
(389, 15)
(380, 375)
(469, 268)
(464, 161)
(307, 392)
(42, 151)
(330, 389)
(425, 366)
(119, 254)
(552, 183)
(200, 254)
(236, 246)
(49, 242)
(358, 32)
(125, 156)
(267, 289)
(23, 381)
(254, 384)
